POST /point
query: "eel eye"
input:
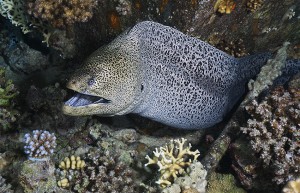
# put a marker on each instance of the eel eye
(91, 81)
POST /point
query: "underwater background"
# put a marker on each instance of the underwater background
(42, 42)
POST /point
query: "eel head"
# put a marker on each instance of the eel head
(107, 85)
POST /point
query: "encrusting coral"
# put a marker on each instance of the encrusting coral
(173, 160)
(40, 145)
(61, 14)
(274, 132)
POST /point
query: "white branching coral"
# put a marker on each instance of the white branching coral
(274, 131)
(40, 145)
(14, 11)
(172, 160)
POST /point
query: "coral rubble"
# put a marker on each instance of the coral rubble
(274, 132)
(173, 159)
(40, 145)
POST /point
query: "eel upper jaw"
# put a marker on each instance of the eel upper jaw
(84, 99)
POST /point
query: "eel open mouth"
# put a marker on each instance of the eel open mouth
(80, 99)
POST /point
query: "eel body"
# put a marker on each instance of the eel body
(162, 74)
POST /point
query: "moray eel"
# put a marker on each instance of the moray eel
(162, 74)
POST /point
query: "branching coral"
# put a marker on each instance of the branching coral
(173, 159)
(274, 131)
(7, 89)
(8, 115)
(103, 173)
(40, 145)
(61, 14)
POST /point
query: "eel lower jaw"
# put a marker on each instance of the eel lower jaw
(82, 100)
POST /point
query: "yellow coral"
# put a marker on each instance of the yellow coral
(64, 183)
(292, 187)
(72, 162)
(172, 160)
(224, 6)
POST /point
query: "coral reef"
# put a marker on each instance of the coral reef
(103, 173)
(37, 176)
(193, 182)
(4, 187)
(274, 132)
(224, 183)
(39, 145)
(292, 186)
(224, 6)
(14, 11)
(253, 5)
(61, 14)
(74, 163)
(8, 91)
(173, 159)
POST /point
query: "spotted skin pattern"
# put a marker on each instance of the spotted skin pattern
(177, 80)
